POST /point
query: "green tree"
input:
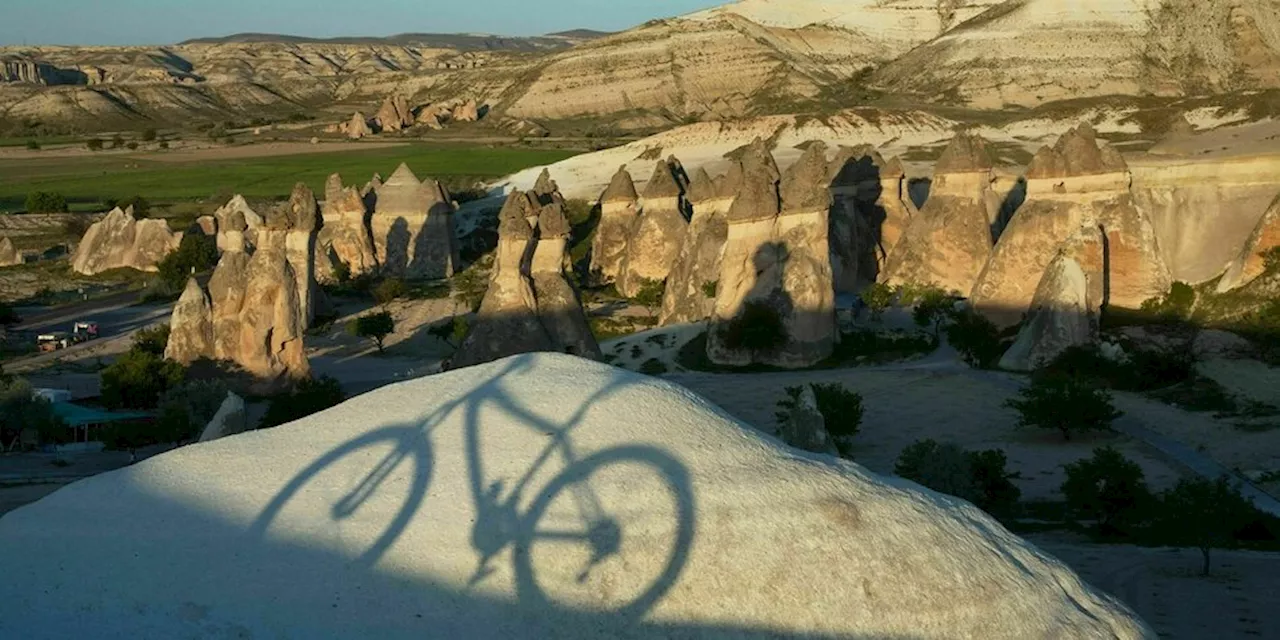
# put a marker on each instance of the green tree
(311, 396)
(117, 141)
(1205, 514)
(137, 380)
(650, 295)
(186, 409)
(46, 202)
(149, 135)
(197, 253)
(976, 339)
(710, 288)
(981, 477)
(878, 298)
(153, 340)
(1064, 403)
(933, 308)
(20, 409)
(1108, 489)
(141, 206)
(452, 332)
(375, 326)
(94, 144)
(389, 290)
(841, 409)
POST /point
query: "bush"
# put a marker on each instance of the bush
(981, 477)
(138, 379)
(878, 298)
(1143, 369)
(933, 308)
(196, 254)
(141, 207)
(1066, 404)
(186, 409)
(650, 295)
(19, 410)
(1108, 489)
(375, 326)
(152, 340)
(1174, 306)
(653, 367)
(841, 409)
(388, 291)
(76, 227)
(149, 135)
(94, 144)
(976, 338)
(710, 289)
(46, 202)
(758, 328)
(164, 144)
(1205, 514)
(452, 332)
(32, 145)
(117, 141)
(311, 396)
(877, 347)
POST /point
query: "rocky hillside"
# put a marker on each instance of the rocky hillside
(748, 58)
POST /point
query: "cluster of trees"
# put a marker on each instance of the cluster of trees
(981, 477)
(20, 410)
(45, 202)
(978, 341)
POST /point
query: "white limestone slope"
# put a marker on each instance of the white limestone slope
(422, 511)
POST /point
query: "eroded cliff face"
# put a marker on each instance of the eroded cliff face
(694, 281)
(120, 240)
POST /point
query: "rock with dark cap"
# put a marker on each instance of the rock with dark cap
(191, 327)
(344, 239)
(299, 220)
(657, 234)
(691, 286)
(559, 307)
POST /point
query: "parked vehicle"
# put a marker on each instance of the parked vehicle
(84, 331)
(53, 341)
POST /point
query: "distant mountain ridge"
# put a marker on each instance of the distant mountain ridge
(459, 41)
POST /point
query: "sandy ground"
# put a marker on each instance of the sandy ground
(1164, 586)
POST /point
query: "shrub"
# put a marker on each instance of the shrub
(76, 227)
(164, 144)
(758, 328)
(117, 141)
(94, 144)
(152, 340)
(840, 407)
(650, 295)
(933, 308)
(186, 409)
(137, 380)
(389, 290)
(981, 477)
(46, 202)
(196, 253)
(32, 145)
(452, 332)
(311, 396)
(1206, 514)
(1066, 404)
(710, 289)
(1143, 369)
(375, 326)
(976, 338)
(1108, 489)
(149, 135)
(653, 367)
(878, 298)
(19, 410)
(1174, 306)
(874, 346)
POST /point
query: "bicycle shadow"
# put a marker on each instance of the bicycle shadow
(511, 513)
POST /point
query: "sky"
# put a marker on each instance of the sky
(113, 22)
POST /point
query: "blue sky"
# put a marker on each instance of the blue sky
(169, 21)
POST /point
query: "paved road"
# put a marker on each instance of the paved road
(118, 317)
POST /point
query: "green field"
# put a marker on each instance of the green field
(87, 180)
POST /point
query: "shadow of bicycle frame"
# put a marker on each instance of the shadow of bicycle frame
(412, 443)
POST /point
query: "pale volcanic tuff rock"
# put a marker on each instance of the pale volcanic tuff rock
(231, 419)
(691, 286)
(296, 224)
(507, 323)
(357, 127)
(9, 256)
(949, 242)
(412, 226)
(238, 225)
(394, 115)
(121, 241)
(345, 236)
(619, 207)
(1066, 307)
(558, 306)
(191, 327)
(777, 254)
(657, 234)
(1251, 264)
(705, 509)
(1068, 185)
(870, 212)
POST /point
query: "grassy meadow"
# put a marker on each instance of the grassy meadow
(87, 181)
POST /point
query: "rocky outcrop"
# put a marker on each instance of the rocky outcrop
(777, 261)
(1068, 185)
(694, 279)
(357, 127)
(619, 207)
(297, 223)
(231, 419)
(870, 212)
(9, 255)
(191, 327)
(559, 308)
(238, 225)
(507, 323)
(468, 111)
(413, 228)
(1252, 262)
(121, 241)
(657, 234)
(805, 427)
(1066, 307)
(344, 239)
(394, 115)
(949, 242)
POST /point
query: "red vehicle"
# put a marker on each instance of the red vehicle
(84, 331)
